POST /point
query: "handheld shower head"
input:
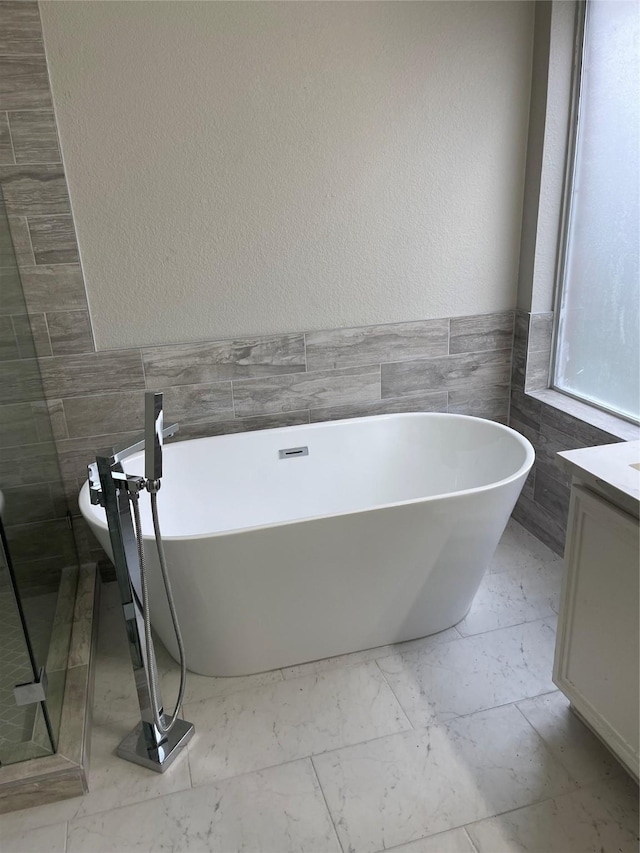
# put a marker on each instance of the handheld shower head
(153, 438)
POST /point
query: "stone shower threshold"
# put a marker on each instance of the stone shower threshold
(63, 775)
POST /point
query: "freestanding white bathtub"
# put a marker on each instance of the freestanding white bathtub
(378, 530)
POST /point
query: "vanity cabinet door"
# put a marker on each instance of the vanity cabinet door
(596, 660)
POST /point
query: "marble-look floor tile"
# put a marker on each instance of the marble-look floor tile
(453, 841)
(602, 818)
(280, 722)
(14, 824)
(520, 549)
(400, 788)
(514, 596)
(569, 739)
(474, 673)
(326, 664)
(114, 692)
(114, 782)
(279, 810)
(48, 839)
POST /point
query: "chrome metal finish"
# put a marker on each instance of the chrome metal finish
(292, 452)
(153, 435)
(32, 691)
(134, 747)
(115, 455)
(114, 489)
(122, 453)
(95, 489)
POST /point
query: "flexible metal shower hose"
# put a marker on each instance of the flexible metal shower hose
(150, 655)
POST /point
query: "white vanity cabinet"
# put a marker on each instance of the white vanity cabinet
(597, 662)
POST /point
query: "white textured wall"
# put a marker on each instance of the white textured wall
(240, 168)
(547, 149)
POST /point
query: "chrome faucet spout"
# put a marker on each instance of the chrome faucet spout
(117, 454)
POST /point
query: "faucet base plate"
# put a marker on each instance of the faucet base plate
(135, 747)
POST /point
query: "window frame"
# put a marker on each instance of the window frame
(582, 16)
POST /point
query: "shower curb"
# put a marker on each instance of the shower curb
(64, 775)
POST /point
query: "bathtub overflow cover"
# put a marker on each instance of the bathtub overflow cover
(291, 452)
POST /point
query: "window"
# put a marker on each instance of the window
(597, 355)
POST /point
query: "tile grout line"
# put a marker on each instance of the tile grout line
(448, 356)
(36, 163)
(211, 783)
(29, 109)
(578, 787)
(527, 806)
(543, 740)
(35, 265)
(326, 804)
(502, 627)
(465, 826)
(469, 838)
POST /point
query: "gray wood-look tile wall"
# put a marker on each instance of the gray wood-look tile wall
(543, 506)
(43, 317)
(229, 386)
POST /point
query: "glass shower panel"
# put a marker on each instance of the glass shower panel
(24, 729)
(39, 570)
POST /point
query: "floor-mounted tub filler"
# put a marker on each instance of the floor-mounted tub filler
(159, 736)
(295, 544)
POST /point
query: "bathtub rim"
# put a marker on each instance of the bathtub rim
(93, 518)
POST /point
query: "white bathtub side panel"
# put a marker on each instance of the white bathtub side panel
(279, 596)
